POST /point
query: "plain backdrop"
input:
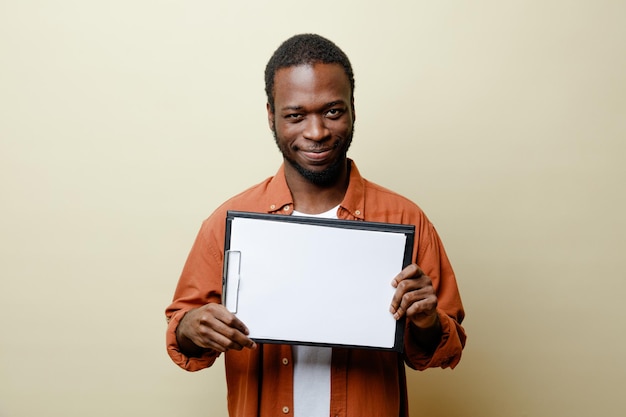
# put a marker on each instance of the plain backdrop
(124, 123)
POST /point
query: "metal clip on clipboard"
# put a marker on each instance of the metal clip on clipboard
(230, 279)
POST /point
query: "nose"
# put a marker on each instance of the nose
(315, 129)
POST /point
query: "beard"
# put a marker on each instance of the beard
(329, 175)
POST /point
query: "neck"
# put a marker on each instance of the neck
(311, 198)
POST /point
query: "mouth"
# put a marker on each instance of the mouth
(317, 155)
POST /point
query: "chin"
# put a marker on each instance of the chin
(323, 177)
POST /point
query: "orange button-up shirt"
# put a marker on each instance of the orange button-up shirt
(364, 382)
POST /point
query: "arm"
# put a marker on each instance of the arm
(211, 328)
(429, 297)
(415, 297)
(199, 327)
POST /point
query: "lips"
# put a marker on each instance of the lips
(317, 155)
(320, 153)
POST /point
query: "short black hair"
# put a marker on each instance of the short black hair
(305, 49)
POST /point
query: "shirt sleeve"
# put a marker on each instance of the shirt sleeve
(432, 259)
(188, 363)
(200, 283)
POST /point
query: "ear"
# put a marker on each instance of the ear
(353, 112)
(270, 116)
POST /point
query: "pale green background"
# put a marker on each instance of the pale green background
(123, 124)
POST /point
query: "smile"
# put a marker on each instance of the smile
(317, 154)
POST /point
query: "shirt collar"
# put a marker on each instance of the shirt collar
(280, 201)
(354, 201)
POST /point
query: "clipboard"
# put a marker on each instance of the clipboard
(315, 281)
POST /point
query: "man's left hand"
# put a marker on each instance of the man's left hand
(415, 297)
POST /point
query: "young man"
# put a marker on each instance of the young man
(310, 86)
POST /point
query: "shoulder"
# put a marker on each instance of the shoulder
(377, 190)
(247, 200)
(213, 226)
(395, 204)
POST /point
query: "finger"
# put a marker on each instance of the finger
(223, 343)
(222, 337)
(221, 330)
(420, 306)
(408, 293)
(396, 303)
(407, 280)
(402, 299)
(238, 331)
(410, 271)
(230, 320)
(235, 332)
(423, 313)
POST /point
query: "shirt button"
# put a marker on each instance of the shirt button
(285, 361)
(273, 206)
(357, 212)
(286, 208)
(285, 410)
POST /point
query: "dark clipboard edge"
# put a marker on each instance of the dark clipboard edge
(407, 229)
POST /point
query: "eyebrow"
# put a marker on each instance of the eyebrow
(336, 102)
(326, 106)
(292, 108)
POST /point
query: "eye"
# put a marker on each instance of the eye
(293, 117)
(334, 113)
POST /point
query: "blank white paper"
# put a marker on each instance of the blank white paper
(314, 284)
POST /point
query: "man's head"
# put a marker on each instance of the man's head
(305, 49)
(310, 108)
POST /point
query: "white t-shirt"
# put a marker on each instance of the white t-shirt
(311, 367)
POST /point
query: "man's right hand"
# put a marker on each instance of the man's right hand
(213, 327)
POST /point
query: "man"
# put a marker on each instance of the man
(310, 90)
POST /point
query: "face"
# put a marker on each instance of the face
(313, 120)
